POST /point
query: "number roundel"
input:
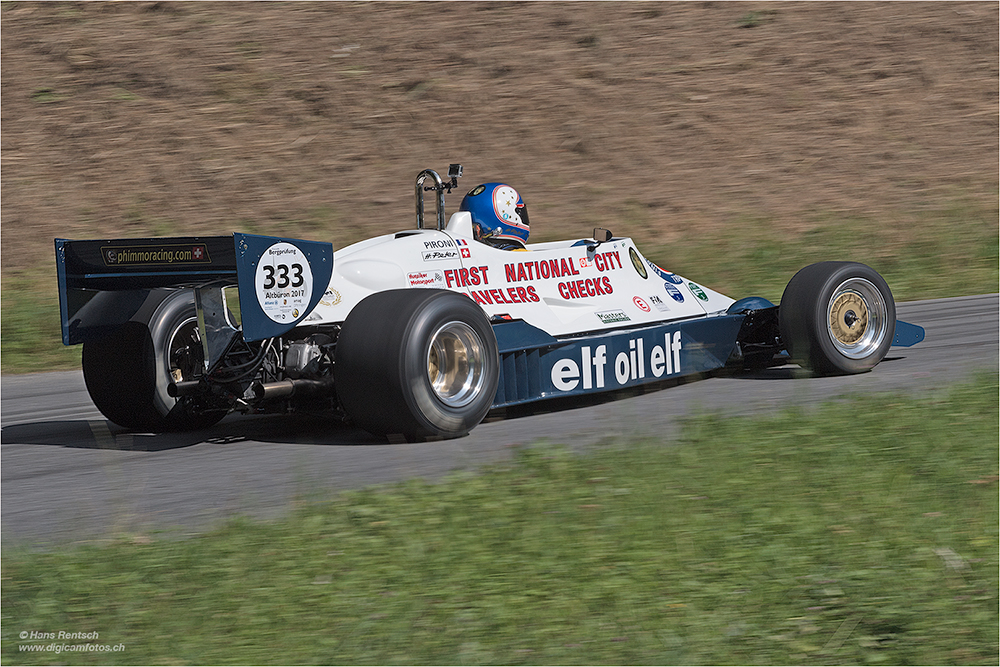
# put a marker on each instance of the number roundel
(283, 282)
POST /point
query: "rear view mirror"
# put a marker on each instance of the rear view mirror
(601, 235)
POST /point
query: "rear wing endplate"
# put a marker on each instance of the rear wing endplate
(105, 283)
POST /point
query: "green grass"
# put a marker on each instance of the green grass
(30, 333)
(862, 532)
(951, 251)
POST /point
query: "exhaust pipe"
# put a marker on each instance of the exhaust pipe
(285, 388)
(185, 388)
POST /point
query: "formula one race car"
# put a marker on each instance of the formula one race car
(422, 332)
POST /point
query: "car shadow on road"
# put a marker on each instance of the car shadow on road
(315, 429)
(786, 372)
(102, 434)
(775, 373)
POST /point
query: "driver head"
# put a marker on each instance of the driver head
(498, 213)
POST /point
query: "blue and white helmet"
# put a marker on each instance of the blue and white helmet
(499, 215)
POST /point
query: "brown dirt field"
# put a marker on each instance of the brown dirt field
(658, 120)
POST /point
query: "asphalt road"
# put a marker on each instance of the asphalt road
(68, 475)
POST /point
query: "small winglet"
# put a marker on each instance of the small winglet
(907, 334)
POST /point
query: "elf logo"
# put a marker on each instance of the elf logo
(592, 372)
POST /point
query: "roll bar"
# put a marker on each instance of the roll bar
(454, 172)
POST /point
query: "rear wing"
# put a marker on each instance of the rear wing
(105, 283)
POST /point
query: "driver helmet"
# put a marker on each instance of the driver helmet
(499, 215)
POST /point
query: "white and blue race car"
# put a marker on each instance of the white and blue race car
(420, 333)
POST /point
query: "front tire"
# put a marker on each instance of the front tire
(417, 363)
(837, 318)
(128, 371)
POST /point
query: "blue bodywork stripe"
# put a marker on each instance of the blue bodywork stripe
(535, 365)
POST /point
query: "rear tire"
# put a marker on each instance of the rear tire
(837, 318)
(128, 371)
(417, 363)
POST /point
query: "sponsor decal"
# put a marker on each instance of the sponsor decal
(698, 292)
(475, 275)
(437, 255)
(606, 261)
(509, 295)
(603, 261)
(581, 289)
(425, 278)
(674, 293)
(562, 267)
(331, 297)
(640, 304)
(283, 282)
(543, 269)
(658, 303)
(665, 275)
(591, 370)
(637, 263)
(613, 316)
(159, 254)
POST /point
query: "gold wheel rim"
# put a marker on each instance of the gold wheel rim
(848, 318)
(857, 318)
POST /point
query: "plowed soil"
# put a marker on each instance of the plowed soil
(658, 120)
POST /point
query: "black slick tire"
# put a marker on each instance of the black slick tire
(127, 372)
(837, 318)
(417, 363)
